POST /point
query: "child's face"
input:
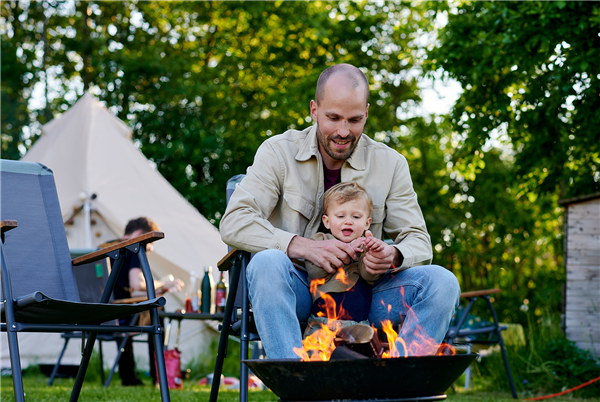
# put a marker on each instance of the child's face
(347, 221)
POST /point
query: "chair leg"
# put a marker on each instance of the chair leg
(244, 336)
(101, 362)
(15, 365)
(160, 365)
(468, 371)
(85, 361)
(223, 340)
(120, 346)
(57, 365)
(502, 348)
(505, 357)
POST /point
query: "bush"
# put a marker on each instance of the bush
(547, 364)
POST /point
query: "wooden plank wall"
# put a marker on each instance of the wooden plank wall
(582, 319)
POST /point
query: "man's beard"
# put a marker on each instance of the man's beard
(334, 154)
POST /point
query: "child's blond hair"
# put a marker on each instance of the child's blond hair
(344, 192)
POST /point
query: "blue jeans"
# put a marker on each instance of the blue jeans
(422, 299)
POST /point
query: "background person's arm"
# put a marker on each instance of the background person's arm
(137, 284)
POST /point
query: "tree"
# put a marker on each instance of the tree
(479, 227)
(530, 71)
(204, 83)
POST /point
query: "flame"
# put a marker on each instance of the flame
(320, 344)
(313, 287)
(392, 337)
(341, 276)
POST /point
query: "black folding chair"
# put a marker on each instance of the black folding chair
(91, 280)
(242, 325)
(460, 331)
(39, 291)
(120, 339)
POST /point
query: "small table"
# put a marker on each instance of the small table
(182, 315)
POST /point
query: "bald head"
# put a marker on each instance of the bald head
(355, 77)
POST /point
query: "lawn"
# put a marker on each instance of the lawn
(36, 389)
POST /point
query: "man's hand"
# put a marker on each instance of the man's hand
(380, 257)
(327, 254)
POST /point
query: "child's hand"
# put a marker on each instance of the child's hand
(359, 244)
(372, 243)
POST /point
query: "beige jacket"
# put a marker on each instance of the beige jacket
(282, 196)
(338, 281)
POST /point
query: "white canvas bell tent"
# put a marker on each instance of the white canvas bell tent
(91, 152)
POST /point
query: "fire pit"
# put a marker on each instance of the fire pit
(423, 378)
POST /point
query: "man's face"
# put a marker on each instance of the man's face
(340, 119)
(347, 221)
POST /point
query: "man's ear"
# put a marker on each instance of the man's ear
(326, 221)
(313, 110)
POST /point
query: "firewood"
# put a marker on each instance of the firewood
(358, 333)
(342, 352)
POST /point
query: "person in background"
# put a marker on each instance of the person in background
(131, 282)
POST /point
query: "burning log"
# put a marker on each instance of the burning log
(326, 333)
(357, 342)
(343, 352)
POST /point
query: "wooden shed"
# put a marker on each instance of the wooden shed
(582, 260)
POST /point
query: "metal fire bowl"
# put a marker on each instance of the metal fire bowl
(398, 379)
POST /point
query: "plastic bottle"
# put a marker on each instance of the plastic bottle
(192, 295)
(207, 286)
(220, 295)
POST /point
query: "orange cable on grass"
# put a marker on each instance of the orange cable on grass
(539, 398)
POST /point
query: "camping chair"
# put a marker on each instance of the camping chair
(235, 262)
(91, 280)
(460, 331)
(120, 339)
(39, 291)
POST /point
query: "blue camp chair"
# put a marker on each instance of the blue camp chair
(39, 291)
(487, 333)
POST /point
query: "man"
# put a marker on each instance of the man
(131, 282)
(278, 206)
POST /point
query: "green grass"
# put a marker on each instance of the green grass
(545, 365)
(36, 389)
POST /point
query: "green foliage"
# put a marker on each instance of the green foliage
(530, 72)
(482, 226)
(204, 83)
(547, 364)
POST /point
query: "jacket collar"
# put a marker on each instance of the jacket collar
(310, 148)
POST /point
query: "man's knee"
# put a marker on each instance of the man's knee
(436, 283)
(445, 284)
(267, 263)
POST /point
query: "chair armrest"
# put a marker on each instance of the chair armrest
(5, 226)
(227, 261)
(100, 254)
(477, 293)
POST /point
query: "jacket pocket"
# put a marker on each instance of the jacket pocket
(300, 204)
(378, 213)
